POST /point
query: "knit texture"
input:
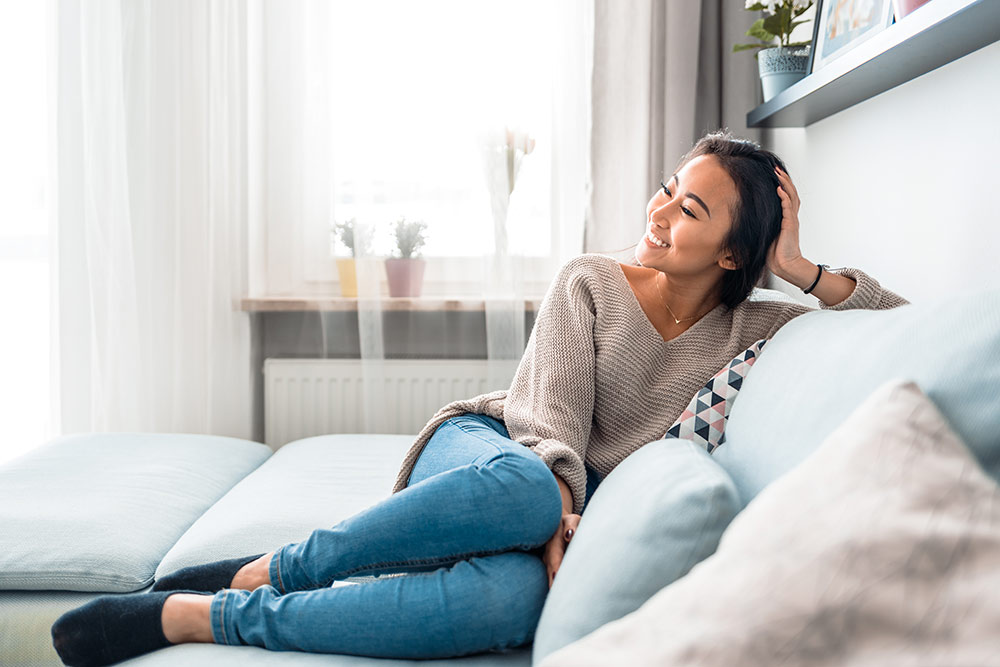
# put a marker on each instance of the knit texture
(597, 381)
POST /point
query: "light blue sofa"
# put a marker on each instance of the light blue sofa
(97, 513)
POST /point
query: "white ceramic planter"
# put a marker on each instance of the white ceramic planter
(780, 67)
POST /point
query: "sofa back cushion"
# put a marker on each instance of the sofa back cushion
(97, 512)
(820, 366)
(879, 549)
(308, 484)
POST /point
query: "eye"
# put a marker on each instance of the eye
(687, 210)
(666, 190)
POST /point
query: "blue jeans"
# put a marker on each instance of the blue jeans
(468, 532)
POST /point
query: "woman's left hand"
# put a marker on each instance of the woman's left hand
(785, 252)
(556, 547)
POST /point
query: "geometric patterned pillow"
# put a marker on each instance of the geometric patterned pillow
(704, 419)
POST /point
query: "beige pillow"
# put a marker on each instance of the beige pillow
(881, 548)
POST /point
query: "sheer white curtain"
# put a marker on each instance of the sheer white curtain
(664, 75)
(205, 149)
(152, 219)
(25, 203)
(385, 108)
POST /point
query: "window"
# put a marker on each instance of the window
(398, 104)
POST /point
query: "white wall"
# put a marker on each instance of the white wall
(905, 185)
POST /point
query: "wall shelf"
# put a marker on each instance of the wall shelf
(933, 35)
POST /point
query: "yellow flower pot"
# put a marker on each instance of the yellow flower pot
(348, 276)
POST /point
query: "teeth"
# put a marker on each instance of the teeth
(657, 241)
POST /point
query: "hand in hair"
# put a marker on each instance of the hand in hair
(785, 252)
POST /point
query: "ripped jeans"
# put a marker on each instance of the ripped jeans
(467, 533)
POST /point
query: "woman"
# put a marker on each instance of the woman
(490, 494)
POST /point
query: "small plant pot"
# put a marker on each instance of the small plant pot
(406, 276)
(348, 276)
(780, 67)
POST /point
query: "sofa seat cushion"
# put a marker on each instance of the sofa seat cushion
(26, 619)
(820, 366)
(307, 484)
(97, 512)
(218, 655)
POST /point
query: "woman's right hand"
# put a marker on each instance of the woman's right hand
(555, 548)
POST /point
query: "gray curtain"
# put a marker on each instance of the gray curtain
(664, 75)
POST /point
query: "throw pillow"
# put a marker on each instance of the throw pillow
(879, 549)
(656, 515)
(704, 419)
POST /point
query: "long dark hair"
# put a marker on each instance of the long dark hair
(756, 213)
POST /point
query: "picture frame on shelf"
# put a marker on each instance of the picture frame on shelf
(840, 25)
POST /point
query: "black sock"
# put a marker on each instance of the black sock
(211, 577)
(111, 628)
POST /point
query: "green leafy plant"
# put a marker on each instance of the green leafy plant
(357, 238)
(778, 25)
(410, 237)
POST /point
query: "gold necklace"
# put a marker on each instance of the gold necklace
(660, 294)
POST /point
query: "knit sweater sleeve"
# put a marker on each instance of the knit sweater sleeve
(550, 403)
(868, 294)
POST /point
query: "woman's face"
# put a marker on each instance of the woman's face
(687, 220)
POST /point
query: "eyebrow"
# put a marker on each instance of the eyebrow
(693, 196)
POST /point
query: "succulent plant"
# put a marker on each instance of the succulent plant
(357, 238)
(410, 237)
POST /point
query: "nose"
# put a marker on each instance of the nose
(659, 215)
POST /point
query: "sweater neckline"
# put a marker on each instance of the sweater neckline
(650, 329)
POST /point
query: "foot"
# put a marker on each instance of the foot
(212, 577)
(254, 574)
(113, 628)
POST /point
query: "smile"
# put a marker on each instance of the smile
(653, 241)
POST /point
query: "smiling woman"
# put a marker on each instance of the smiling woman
(496, 485)
(695, 259)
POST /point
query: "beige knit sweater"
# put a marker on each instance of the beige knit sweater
(597, 381)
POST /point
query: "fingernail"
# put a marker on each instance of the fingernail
(569, 533)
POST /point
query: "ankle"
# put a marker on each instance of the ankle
(186, 618)
(254, 574)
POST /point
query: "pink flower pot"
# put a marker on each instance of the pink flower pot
(406, 276)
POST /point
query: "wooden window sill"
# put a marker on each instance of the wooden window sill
(340, 303)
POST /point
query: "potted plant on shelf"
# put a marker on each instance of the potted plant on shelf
(406, 272)
(358, 239)
(783, 63)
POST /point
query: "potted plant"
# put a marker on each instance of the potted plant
(783, 63)
(406, 272)
(358, 239)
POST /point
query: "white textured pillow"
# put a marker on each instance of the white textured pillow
(880, 548)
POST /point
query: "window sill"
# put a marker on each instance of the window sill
(346, 304)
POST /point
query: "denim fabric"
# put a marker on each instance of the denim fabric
(466, 534)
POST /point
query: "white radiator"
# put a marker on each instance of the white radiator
(307, 397)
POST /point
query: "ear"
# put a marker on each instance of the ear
(728, 263)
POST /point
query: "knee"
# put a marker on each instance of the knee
(531, 491)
